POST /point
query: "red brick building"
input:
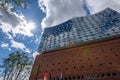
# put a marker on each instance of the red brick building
(82, 48)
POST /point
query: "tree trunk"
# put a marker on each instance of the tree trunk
(5, 74)
(21, 68)
(25, 75)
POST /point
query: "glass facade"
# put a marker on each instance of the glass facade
(81, 29)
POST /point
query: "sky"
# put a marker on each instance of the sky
(21, 30)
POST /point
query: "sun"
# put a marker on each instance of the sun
(30, 26)
(26, 28)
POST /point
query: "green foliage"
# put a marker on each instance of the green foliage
(20, 3)
(15, 3)
(17, 64)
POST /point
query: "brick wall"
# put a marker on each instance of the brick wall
(99, 60)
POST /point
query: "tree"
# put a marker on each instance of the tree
(5, 4)
(17, 66)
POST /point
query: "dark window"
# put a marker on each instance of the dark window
(91, 65)
(52, 70)
(82, 77)
(103, 75)
(93, 76)
(74, 67)
(69, 78)
(100, 64)
(78, 77)
(97, 76)
(106, 56)
(65, 62)
(113, 30)
(110, 63)
(59, 69)
(66, 68)
(65, 78)
(96, 57)
(113, 74)
(73, 77)
(102, 50)
(59, 63)
(108, 75)
(80, 60)
(111, 49)
(82, 66)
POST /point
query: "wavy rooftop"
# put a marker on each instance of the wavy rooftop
(81, 29)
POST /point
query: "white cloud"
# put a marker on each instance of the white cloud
(35, 54)
(9, 36)
(27, 50)
(12, 24)
(19, 45)
(9, 49)
(58, 11)
(15, 23)
(37, 39)
(102, 4)
(4, 45)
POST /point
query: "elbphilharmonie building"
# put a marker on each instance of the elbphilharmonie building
(82, 48)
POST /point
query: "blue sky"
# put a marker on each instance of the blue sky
(12, 41)
(21, 30)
